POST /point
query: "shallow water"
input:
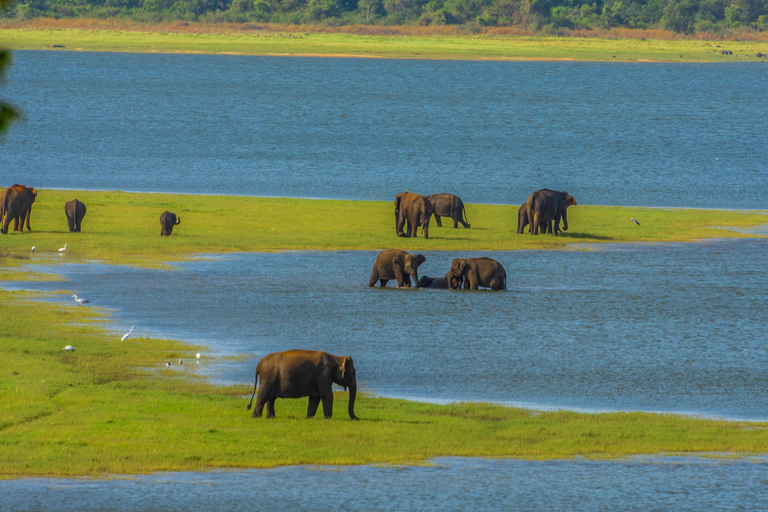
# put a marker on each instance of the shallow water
(451, 484)
(674, 327)
(624, 134)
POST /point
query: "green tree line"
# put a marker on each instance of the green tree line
(684, 16)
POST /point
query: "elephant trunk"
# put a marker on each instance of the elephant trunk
(352, 396)
(178, 221)
(415, 276)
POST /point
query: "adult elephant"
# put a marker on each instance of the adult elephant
(167, 221)
(438, 283)
(476, 272)
(396, 264)
(448, 205)
(299, 373)
(75, 211)
(414, 210)
(16, 204)
(522, 220)
(546, 206)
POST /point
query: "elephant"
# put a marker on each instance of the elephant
(440, 283)
(396, 264)
(167, 221)
(75, 211)
(476, 272)
(414, 210)
(545, 206)
(522, 220)
(448, 205)
(299, 373)
(16, 204)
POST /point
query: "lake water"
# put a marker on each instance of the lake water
(667, 328)
(492, 132)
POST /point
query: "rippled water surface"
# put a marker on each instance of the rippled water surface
(633, 134)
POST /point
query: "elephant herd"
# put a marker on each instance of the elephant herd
(16, 205)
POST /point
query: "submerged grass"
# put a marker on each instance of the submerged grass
(112, 407)
(274, 41)
(124, 228)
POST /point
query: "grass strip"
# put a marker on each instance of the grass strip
(112, 407)
(124, 228)
(439, 46)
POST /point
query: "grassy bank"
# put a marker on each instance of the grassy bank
(274, 41)
(113, 407)
(122, 227)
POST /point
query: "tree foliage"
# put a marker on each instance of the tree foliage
(7, 112)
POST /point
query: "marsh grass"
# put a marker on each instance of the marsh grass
(124, 228)
(111, 407)
(428, 44)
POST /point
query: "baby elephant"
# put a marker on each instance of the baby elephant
(298, 373)
(396, 264)
(75, 211)
(476, 272)
(167, 221)
(434, 282)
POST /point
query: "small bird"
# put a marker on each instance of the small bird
(181, 362)
(635, 221)
(168, 365)
(69, 348)
(63, 248)
(33, 248)
(80, 301)
(128, 334)
(198, 355)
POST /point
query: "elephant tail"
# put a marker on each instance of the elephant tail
(255, 380)
(464, 212)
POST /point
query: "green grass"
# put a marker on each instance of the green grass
(112, 407)
(125, 227)
(467, 47)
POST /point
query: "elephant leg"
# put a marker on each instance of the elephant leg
(399, 277)
(497, 283)
(456, 223)
(401, 221)
(328, 404)
(16, 224)
(271, 409)
(383, 282)
(314, 401)
(474, 280)
(438, 221)
(374, 276)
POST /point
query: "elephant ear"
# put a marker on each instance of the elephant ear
(398, 197)
(420, 259)
(398, 260)
(462, 266)
(569, 201)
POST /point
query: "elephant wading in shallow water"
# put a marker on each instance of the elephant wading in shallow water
(396, 264)
(75, 211)
(300, 373)
(167, 221)
(448, 205)
(16, 205)
(476, 272)
(412, 211)
(439, 283)
(547, 206)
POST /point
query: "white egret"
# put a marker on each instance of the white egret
(63, 248)
(80, 301)
(635, 221)
(69, 348)
(33, 248)
(129, 333)
(198, 355)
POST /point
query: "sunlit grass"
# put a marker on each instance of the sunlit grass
(437, 46)
(112, 407)
(124, 227)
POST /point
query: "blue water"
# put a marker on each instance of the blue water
(620, 134)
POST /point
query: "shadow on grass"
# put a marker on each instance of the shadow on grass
(586, 236)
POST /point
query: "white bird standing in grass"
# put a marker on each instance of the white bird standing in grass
(198, 356)
(69, 348)
(63, 248)
(129, 333)
(635, 221)
(33, 248)
(80, 301)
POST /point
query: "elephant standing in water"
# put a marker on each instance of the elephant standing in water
(476, 272)
(16, 205)
(75, 211)
(414, 210)
(299, 373)
(448, 205)
(546, 206)
(438, 283)
(396, 264)
(167, 221)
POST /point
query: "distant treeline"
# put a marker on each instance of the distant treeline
(686, 16)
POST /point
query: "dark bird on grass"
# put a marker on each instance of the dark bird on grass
(168, 365)
(635, 221)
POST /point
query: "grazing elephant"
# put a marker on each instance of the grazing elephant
(522, 220)
(16, 204)
(440, 283)
(448, 205)
(476, 272)
(546, 206)
(396, 264)
(75, 211)
(298, 373)
(167, 221)
(415, 210)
